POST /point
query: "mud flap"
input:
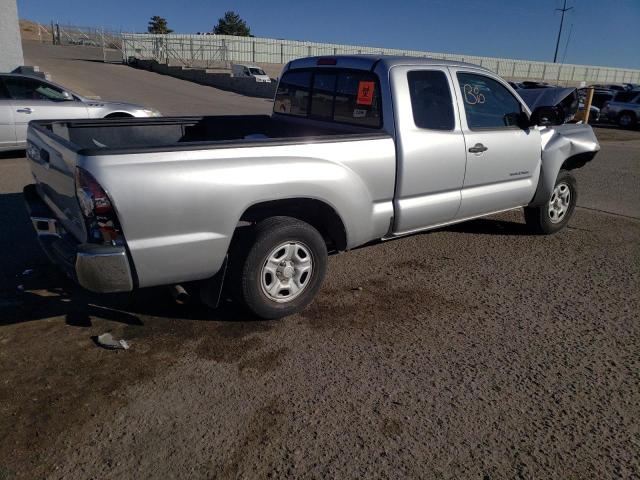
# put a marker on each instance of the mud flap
(211, 288)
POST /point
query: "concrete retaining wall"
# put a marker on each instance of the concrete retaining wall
(223, 81)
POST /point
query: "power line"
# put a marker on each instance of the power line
(563, 9)
(566, 45)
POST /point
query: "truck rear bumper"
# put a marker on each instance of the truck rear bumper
(98, 268)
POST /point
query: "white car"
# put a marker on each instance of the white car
(24, 98)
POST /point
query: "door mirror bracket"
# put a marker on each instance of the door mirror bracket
(547, 116)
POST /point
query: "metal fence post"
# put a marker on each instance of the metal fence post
(253, 51)
(281, 52)
(104, 52)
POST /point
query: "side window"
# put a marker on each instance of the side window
(487, 103)
(292, 96)
(358, 99)
(31, 89)
(431, 100)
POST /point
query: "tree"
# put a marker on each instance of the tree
(232, 24)
(158, 25)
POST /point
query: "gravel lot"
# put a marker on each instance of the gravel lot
(476, 351)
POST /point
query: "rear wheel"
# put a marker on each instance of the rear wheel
(627, 120)
(280, 272)
(554, 215)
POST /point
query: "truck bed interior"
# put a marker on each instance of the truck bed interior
(198, 132)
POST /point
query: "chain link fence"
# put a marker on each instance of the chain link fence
(211, 50)
(219, 51)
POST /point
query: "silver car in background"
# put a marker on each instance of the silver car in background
(624, 109)
(24, 98)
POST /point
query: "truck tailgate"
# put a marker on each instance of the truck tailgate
(53, 168)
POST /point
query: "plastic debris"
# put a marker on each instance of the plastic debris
(27, 272)
(21, 288)
(106, 340)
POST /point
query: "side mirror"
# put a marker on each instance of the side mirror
(67, 95)
(547, 116)
(519, 119)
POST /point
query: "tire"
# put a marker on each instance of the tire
(555, 214)
(268, 273)
(627, 120)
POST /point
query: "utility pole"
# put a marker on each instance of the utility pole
(563, 9)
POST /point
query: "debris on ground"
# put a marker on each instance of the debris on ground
(106, 340)
(21, 287)
(357, 289)
(28, 272)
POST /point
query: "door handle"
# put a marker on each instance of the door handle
(24, 110)
(478, 148)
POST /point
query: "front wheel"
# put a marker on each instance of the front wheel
(555, 214)
(282, 270)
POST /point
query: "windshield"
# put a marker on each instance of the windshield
(257, 71)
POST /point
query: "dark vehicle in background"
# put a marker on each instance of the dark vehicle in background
(623, 109)
(527, 84)
(617, 87)
(602, 96)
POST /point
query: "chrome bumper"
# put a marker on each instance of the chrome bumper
(98, 268)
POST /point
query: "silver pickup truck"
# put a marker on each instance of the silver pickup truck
(359, 149)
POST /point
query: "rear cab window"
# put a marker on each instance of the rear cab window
(336, 95)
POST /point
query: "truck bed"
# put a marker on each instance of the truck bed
(136, 135)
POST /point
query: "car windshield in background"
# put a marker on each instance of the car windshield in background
(351, 97)
(257, 71)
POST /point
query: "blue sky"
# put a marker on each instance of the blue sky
(604, 32)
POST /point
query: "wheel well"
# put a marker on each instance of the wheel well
(119, 115)
(315, 212)
(578, 161)
(630, 112)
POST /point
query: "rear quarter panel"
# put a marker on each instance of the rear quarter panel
(179, 209)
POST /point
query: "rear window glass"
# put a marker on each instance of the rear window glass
(431, 100)
(341, 96)
(292, 96)
(324, 86)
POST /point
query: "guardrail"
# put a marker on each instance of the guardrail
(209, 50)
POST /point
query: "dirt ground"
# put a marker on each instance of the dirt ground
(476, 351)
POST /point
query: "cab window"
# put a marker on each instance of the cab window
(487, 103)
(32, 89)
(431, 100)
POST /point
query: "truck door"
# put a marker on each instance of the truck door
(430, 148)
(503, 157)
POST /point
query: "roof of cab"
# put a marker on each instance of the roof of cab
(367, 62)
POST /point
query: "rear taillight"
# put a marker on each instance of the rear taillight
(100, 217)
